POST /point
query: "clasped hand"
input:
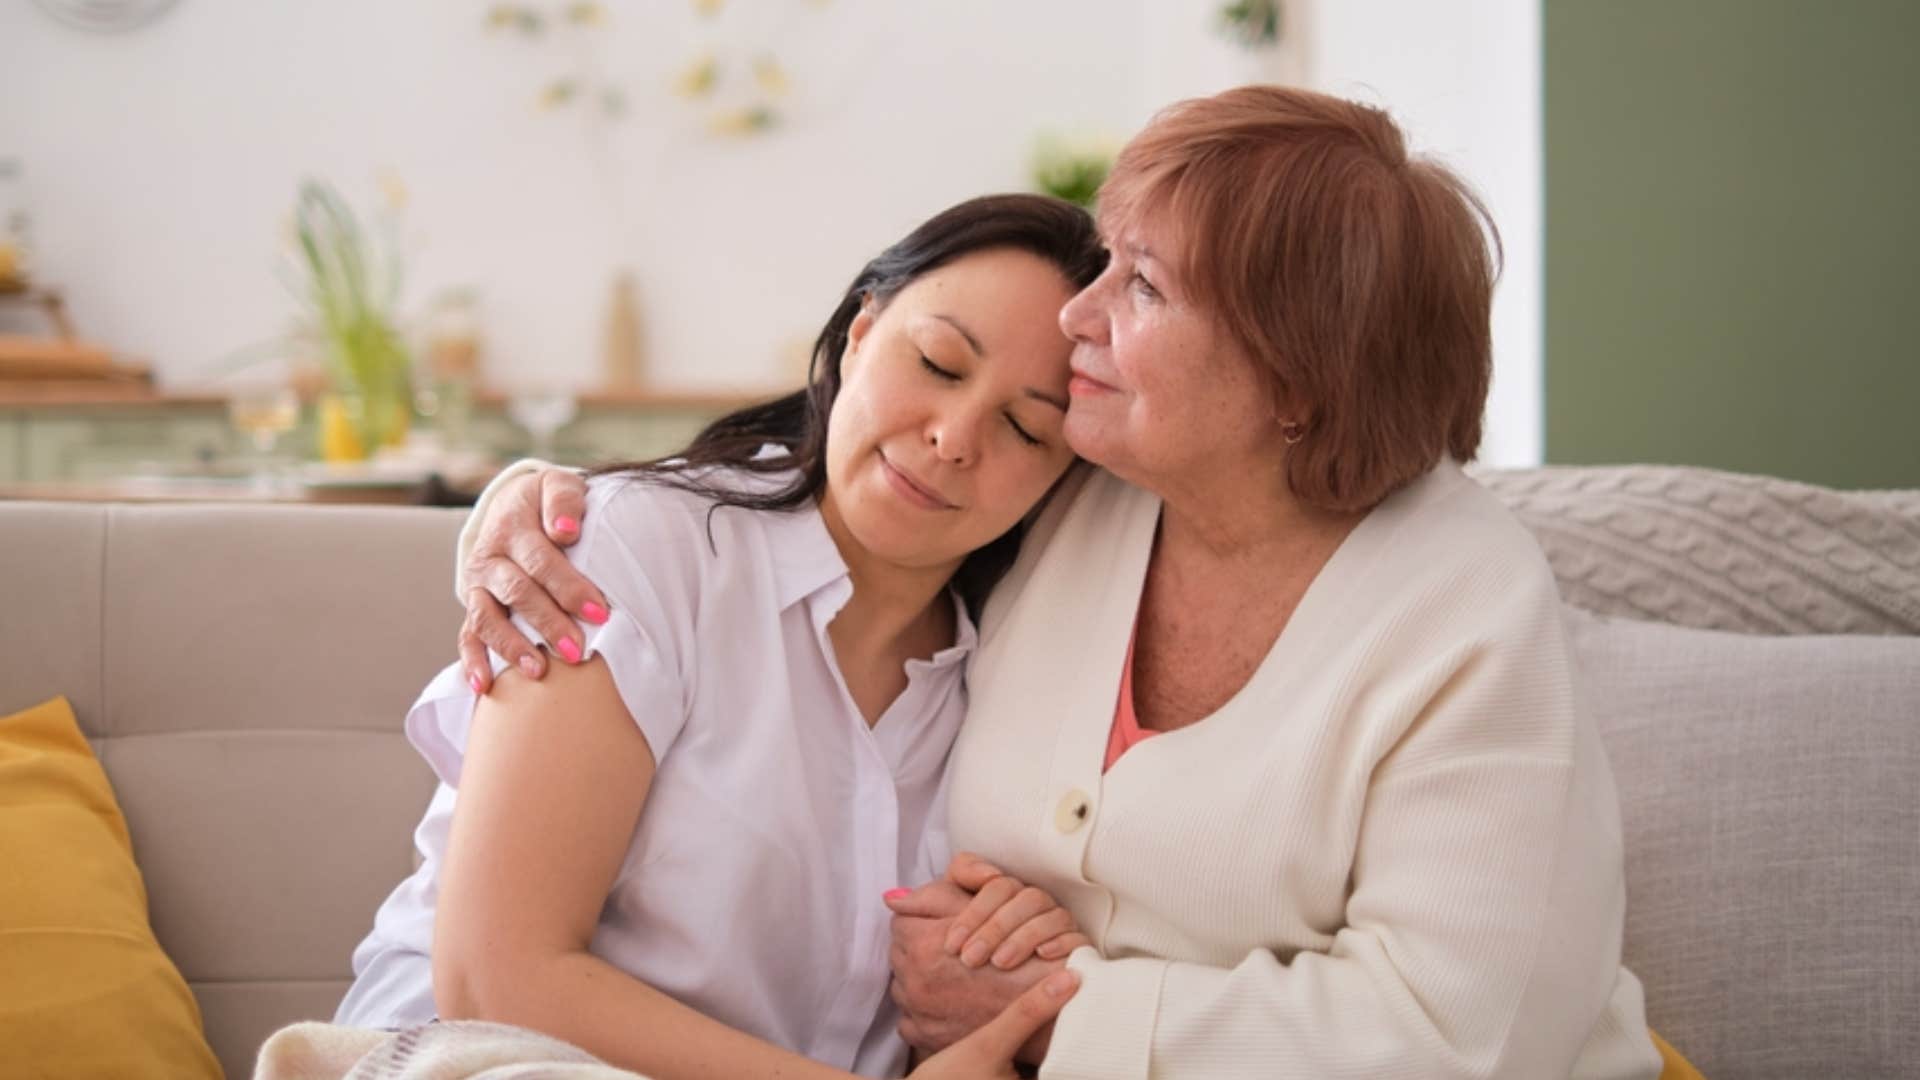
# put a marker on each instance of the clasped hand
(967, 945)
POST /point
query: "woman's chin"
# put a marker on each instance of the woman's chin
(1090, 438)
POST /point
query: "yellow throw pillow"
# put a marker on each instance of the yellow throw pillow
(84, 988)
(1672, 1065)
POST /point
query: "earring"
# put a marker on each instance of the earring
(1292, 432)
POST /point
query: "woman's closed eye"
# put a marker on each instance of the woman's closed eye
(1020, 431)
(945, 375)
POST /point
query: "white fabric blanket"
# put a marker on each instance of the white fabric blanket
(453, 1050)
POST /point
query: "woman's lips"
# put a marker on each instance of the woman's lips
(912, 490)
(1083, 384)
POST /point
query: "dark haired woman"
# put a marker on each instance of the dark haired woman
(672, 851)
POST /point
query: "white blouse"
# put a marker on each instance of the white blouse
(777, 817)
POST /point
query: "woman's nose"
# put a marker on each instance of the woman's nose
(1081, 319)
(954, 434)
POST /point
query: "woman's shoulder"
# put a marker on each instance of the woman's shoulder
(1445, 521)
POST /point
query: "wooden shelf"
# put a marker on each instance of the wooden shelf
(26, 393)
(695, 400)
(54, 392)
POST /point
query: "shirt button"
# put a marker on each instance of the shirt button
(1074, 809)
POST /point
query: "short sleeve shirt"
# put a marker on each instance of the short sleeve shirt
(777, 817)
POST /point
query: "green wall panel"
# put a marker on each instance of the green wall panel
(1733, 236)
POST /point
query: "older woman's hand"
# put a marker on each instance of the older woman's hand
(941, 999)
(516, 563)
(1006, 921)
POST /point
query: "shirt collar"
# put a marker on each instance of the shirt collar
(805, 558)
(806, 561)
(965, 637)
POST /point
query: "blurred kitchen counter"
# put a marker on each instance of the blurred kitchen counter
(104, 438)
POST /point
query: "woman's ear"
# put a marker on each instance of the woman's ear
(857, 331)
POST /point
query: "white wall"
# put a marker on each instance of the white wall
(1464, 77)
(160, 164)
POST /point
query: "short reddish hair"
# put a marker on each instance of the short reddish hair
(1360, 280)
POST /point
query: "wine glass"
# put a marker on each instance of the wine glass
(263, 412)
(542, 412)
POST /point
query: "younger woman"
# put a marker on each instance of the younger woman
(672, 850)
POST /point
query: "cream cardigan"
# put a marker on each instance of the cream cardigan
(1395, 853)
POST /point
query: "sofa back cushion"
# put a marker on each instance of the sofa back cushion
(1768, 789)
(241, 673)
(1723, 551)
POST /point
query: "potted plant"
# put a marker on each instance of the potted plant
(349, 281)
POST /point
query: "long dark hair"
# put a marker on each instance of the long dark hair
(1057, 231)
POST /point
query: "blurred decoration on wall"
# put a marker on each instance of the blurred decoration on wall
(733, 84)
(347, 274)
(623, 360)
(1073, 168)
(571, 27)
(734, 81)
(107, 16)
(1253, 23)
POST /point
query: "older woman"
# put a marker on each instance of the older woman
(1276, 702)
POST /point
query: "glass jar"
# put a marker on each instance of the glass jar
(15, 249)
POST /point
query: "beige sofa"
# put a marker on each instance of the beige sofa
(242, 673)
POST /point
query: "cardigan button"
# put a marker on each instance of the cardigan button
(1074, 810)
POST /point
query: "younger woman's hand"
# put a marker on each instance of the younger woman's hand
(988, 1054)
(516, 567)
(1007, 921)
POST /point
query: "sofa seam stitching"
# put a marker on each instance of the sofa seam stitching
(107, 728)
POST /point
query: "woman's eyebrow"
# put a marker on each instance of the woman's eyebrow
(972, 342)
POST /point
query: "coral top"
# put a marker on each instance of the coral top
(1127, 732)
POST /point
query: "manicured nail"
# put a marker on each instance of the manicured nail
(593, 613)
(975, 954)
(473, 680)
(531, 666)
(1060, 983)
(565, 524)
(569, 650)
(1003, 957)
(896, 894)
(1049, 951)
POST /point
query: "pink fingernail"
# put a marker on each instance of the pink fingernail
(565, 524)
(473, 680)
(896, 894)
(593, 613)
(569, 650)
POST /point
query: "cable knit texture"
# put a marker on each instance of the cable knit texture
(1723, 551)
